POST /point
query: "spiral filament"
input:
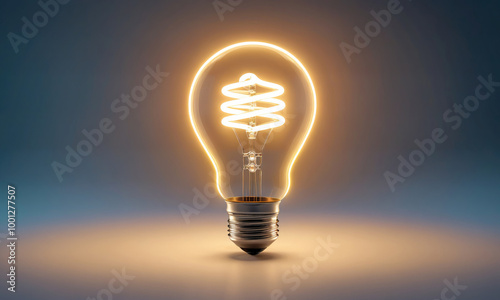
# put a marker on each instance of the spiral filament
(249, 105)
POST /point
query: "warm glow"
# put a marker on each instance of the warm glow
(238, 114)
(242, 109)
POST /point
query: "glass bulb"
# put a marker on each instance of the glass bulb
(252, 106)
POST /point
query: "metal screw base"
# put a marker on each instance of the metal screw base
(253, 224)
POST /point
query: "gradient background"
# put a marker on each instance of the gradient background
(119, 208)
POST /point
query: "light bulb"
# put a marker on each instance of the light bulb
(244, 97)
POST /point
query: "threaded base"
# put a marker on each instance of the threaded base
(253, 226)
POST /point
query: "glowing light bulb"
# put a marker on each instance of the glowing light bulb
(244, 97)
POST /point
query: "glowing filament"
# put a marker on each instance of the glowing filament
(245, 107)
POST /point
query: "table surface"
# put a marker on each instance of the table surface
(168, 259)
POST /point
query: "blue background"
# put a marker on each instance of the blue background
(370, 110)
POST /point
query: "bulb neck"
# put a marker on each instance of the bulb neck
(253, 222)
